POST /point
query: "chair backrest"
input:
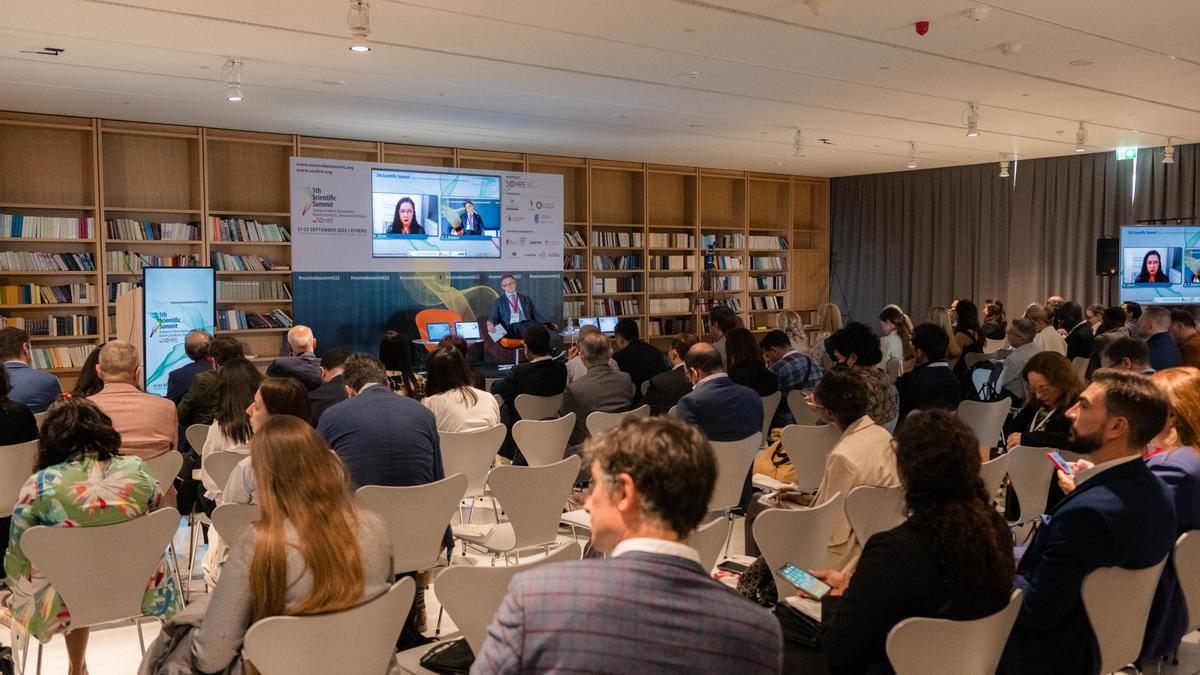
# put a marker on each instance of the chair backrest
(874, 509)
(986, 419)
(992, 474)
(599, 421)
(356, 641)
(1119, 618)
(801, 413)
(472, 594)
(124, 556)
(991, 346)
(543, 442)
(734, 459)
(434, 315)
(1187, 568)
(962, 647)
(16, 466)
(165, 468)
(974, 358)
(533, 498)
(417, 518)
(196, 435)
(231, 520)
(471, 453)
(770, 405)
(807, 447)
(1030, 473)
(531, 407)
(797, 536)
(708, 539)
(39, 418)
(890, 425)
(1080, 365)
(674, 410)
(220, 465)
(645, 386)
(893, 368)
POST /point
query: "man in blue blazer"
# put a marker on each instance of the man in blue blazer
(514, 311)
(32, 387)
(649, 607)
(303, 364)
(195, 345)
(1119, 515)
(723, 409)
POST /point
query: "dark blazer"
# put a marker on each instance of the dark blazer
(723, 409)
(1121, 517)
(17, 425)
(928, 386)
(756, 376)
(501, 312)
(325, 396)
(1081, 341)
(658, 613)
(547, 377)
(1164, 353)
(600, 389)
(1180, 470)
(32, 387)
(306, 368)
(473, 228)
(642, 361)
(665, 390)
(181, 378)
(899, 576)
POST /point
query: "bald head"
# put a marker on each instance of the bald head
(195, 345)
(300, 339)
(704, 359)
(118, 362)
(594, 349)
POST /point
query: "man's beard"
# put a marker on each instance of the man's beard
(1084, 445)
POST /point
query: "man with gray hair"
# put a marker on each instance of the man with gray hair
(575, 365)
(1021, 335)
(1155, 325)
(1047, 337)
(195, 345)
(303, 364)
(147, 423)
(603, 388)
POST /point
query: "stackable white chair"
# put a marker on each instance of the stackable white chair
(707, 539)
(165, 468)
(770, 404)
(220, 465)
(962, 647)
(1187, 568)
(532, 408)
(543, 442)
(472, 454)
(991, 346)
(1119, 618)
(801, 413)
(797, 536)
(992, 474)
(40, 418)
(499, 400)
(356, 641)
(890, 425)
(196, 435)
(807, 447)
(893, 368)
(417, 517)
(599, 421)
(1080, 365)
(16, 466)
(231, 520)
(734, 459)
(986, 419)
(1030, 473)
(874, 509)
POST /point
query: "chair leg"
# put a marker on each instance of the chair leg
(141, 639)
(437, 631)
(39, 665)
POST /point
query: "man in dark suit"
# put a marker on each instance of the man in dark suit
(1155, 327)
(665, 389)
(723, 410)
(30, 386)
(641, 360)
(470, 222)
(1119, 515)
(333, 390)
(540, 376)
(1080, 338)
(931, 384)
(195, 345)
(514, 311)
(303, 363)
(600, 389)
(658, 607)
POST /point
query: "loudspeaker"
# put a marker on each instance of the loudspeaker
(1108, 256)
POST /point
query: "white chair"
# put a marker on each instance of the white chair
(986, 419)
(707, 539)
(890, 425)
(807, 447)
(196, 435)
(797, 536)
(871, 510)
(734, 459)
(974, 358)
(925, 646)
(471, 453)
(531, 407)
(125, 555)
(893, 367)
(991, 346)
(543, 442)
(770, 405)
(674, 411)
(992, 474)
(1119, 618)
(1187, 568)
(231, 520)
(1080, 365)
(16, 466)
(40, 418)
(356, 641)
(532, 498)
(599, 421)
(165, 468)
(801, 413)
(499, 400)
(1030, 472)
(220, 465)
(417, 518)
(645, 386)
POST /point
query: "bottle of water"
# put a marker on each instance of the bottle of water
(571, 328)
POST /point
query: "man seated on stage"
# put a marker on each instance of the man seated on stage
(514, 312)
(470, 223)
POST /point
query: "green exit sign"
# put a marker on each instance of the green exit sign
(1127, 152)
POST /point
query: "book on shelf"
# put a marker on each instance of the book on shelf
(573, 285)
(726, 283)
(619, 262)
(128, 228)
(253, 290)
(766, 302)
(770, 282)
(629, 284)
(670, 305)
(52, 325)
(225, 262)
(573, 262)
(759, 262)
(672, 262)
(727, 262)
(38, 261)
(115, 290)
(572, 308)
(671, 240)
(236, 319)
(722, 241)
(133, 262)
(673, 326)
(574, 239)
(36, 294)
(763, 241)
(669, 284)
(67, 356)
(244, 230)
(17, 226)
(612, 306)
(605, 239)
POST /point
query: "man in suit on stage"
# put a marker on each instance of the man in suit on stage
(195, 345)
(30, 386)
(723, 409)
(665, 389)
(658, 608)
(303, 363)
(540, 376)
(471, 222)
(514, 311)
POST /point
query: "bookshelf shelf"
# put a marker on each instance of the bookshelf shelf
(47, 207)
(62, 338)
(250, 243)
(253, 331)
(45, 240)
(49, 306)
(251, 214)
(39, 273)
(150, 209)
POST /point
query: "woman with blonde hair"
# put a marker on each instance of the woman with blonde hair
(940, 317)
(312, 551)
(829, 321)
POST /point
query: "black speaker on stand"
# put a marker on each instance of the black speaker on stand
(1108, 256)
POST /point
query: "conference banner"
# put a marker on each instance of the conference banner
(178, 300)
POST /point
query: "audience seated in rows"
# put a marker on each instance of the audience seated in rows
(147, 423)
(540, 375)
(601, 389)
(640, 359)
(1155, 327)
(1079, 337)
(856, 349)
(722, 409)
(796, 372)
(659, 609)
(930, 384)
(17, 425)
(199, 404)
(721, 320)
(576, 368)
(1129, 354)
(332, 389)
(275, 396)
(80, 480)
(30, 386)
(1047, 337)
(745, 363)
(665, 389)
(1187, 338)
(195, 346)
(896, 343)
(456, 404)
(89, 382)
(1021, 337)
(395, 351)
(302, 364)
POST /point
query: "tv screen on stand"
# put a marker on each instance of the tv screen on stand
(424, 214)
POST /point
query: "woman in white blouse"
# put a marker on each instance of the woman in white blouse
(457, 405)
(897, 335)
(230, 430)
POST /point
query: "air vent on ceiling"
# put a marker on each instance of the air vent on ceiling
(45, 51)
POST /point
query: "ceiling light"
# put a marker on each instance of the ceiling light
(978, 13)
(1169, 152)
(1080, 138)
(1004, 164)
(912, 155)
(1083, 62)
(972, 121)
(1007, 48)
(232, 72)
(816, 6)
(798, 144)
(359, 20)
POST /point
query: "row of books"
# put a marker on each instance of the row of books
(254, 290)
(610, 307)
(113, 291)
(726, 283)
(722, 241)
(574, 239)
(133, 262)
(128, 228)
(573, 308)
(243, 263)
(670, 305)
(54, 326)
(667, 284)
(616, 239)
(573, 262)
(16, 226)
(672, 262)
(620, 262)
(770, 282)
(236, 319)
(727, 262)
(767, 263)
(672, 326)
(36, 294)
(73, 356)
(671, 240)
(764, 241)
(572, 285)
(630, 284)
(766, 302)
(241, 229)
(37, 261)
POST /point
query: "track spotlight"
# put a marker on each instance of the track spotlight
(1004, 164)
(798, 144)
(972, 121)
(912, 155)
(233, 80)
(1080, 138)
(359, 19)
(816, 6)
(1169, 152)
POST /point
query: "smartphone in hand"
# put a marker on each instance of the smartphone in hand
(1061, 463)
(804, 581)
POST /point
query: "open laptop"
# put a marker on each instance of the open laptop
(467, 330)
(608, 324)
(588, 321)
(437, 331)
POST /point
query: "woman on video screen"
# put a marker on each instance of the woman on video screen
(404, 221)
(1152, 272)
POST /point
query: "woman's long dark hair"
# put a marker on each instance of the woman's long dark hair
(937, 457)
(239, 381)
(89, 381)
(1159, 277)
(968, 319)
(398, 226)
(75, 427)
(447, 370)
(285, 396)
(395, 351)
(741, 349)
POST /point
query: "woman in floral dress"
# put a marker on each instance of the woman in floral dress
(79, 481)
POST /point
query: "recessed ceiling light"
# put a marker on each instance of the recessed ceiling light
(332, 83)
(695, 74)
(762, 133)
(693, 30)
(885, 67)
(695, 125)
(1083, 62)
(1026, 95)
(1060, 132)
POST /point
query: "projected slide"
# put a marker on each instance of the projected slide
(1160, 264)
(178, 300)
(417, 214)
